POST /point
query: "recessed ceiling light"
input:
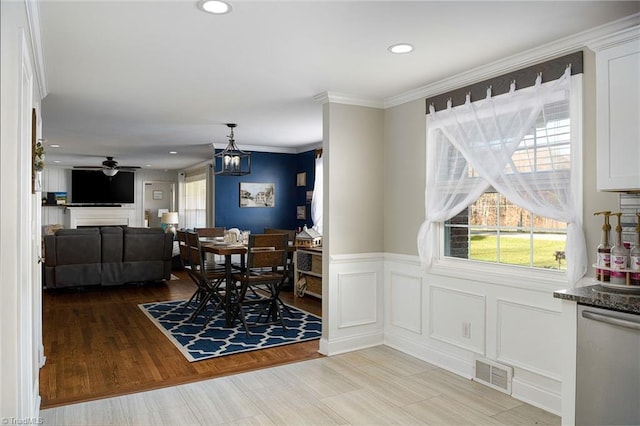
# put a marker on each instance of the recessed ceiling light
(56, 161)
(400, 48)
(54, 145)
(172, 152)
(148, 165)
(216, 7)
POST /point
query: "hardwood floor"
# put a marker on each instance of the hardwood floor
(98, 344)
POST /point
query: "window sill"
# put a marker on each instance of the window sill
(503, 275)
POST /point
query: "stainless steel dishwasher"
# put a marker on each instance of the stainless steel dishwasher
(608, 367)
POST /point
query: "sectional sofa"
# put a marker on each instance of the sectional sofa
(106, 256)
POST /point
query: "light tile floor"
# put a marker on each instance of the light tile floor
(375, 386)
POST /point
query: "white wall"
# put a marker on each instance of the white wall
(58, 179)
(20, 337)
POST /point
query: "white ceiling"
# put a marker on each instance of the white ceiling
(137, 79)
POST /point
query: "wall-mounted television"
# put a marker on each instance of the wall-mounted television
(94, 187)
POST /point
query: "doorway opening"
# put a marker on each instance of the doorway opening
(159, 197)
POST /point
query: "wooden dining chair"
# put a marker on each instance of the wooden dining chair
(291, 234)
(212, 232)
(265, 272)
(209, 278)
(181, 236)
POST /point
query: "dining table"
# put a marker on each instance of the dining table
(227, 250)
(215, 246)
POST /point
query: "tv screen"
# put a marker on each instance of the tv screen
(94, 187)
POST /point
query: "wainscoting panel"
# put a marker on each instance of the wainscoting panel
(353, 288)
(510, 321)
(357, 298)
(405, 304)
(457, 318)
(525, 335)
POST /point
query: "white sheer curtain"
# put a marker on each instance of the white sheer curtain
(482, 137)
(316, 201)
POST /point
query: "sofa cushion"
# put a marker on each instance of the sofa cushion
(112, 255)
(77, 249)
(142, 244)
(155, 270)
(147, 254)
(78, 275)
(78, 231)
(111, 244)
(76, 256)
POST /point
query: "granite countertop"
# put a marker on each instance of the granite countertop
(603, 297)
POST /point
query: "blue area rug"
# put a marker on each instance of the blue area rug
(197, 343)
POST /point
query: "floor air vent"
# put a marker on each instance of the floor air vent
(495, 375)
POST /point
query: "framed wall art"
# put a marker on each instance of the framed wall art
(301, 179)
(254, 194)
(301, 212)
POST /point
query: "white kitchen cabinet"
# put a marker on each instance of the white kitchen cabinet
(618, 110)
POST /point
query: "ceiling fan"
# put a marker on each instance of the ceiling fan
(109, 167)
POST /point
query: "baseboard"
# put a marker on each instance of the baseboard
(351, 343)
(536, 396)
(458, 365)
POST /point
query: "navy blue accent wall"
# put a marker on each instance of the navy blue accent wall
(280, 169)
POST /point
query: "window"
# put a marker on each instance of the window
(493, 229)
(502, 179)
(195, 201)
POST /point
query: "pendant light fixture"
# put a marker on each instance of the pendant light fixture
(231, 161)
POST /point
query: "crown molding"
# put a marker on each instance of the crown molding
(522, 60)
(35, 34)
(274, 149)
(260, 148)
(309, 147)
(612, 40)
(342, 98)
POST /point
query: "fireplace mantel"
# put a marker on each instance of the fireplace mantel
(99, 216)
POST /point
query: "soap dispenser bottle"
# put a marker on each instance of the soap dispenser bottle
(619, 257)
(603, 259)
(634, 257)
